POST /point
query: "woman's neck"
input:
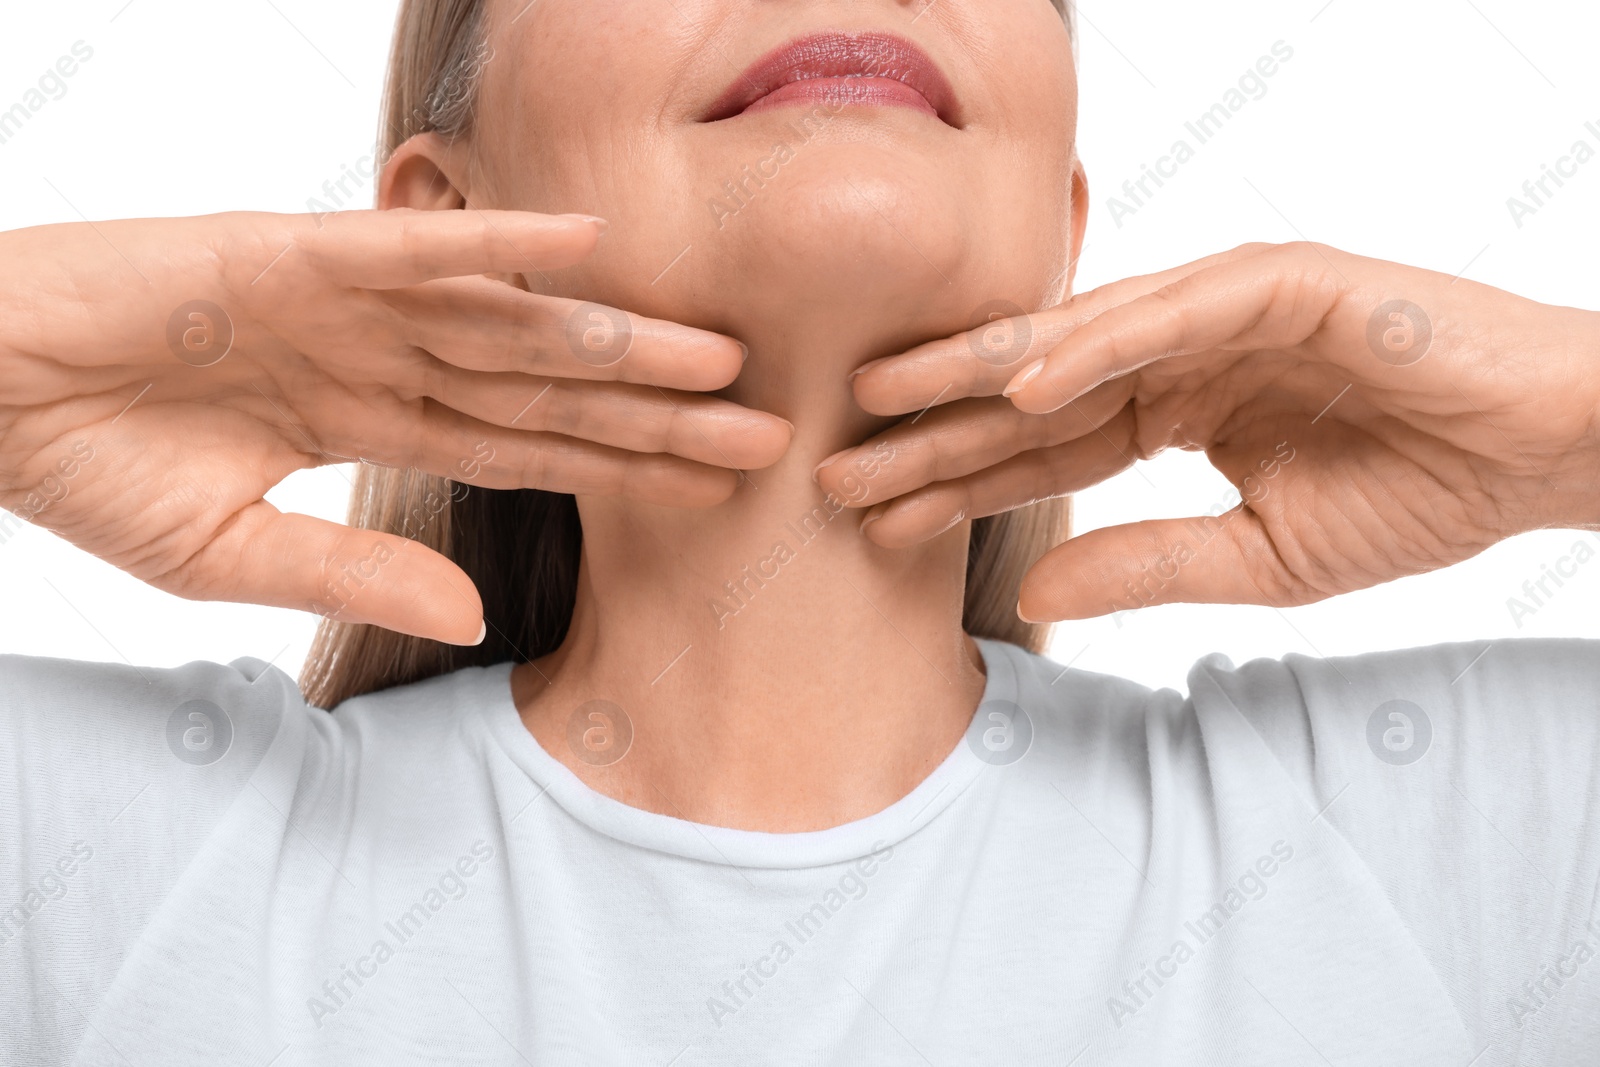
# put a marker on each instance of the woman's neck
(779, 671)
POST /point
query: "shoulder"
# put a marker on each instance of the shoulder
(1098, 739)
(1540, 675)
(28, 676)
(195, 713)
(1465, 703)
(429, 716)
(1076, 708)
(59, 694)
(115, 776)
(1540, 697)
(161, 753)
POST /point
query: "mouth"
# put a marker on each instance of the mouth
(867, 69)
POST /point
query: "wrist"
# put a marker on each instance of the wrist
(15, 298)
(1578, 481)
(1589, 369)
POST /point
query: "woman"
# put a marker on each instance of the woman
(755, 757)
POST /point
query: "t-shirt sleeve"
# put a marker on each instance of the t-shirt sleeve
(111, 778)
(1467, 779)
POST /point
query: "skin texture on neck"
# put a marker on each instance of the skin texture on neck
(780, 672)
(835, 675)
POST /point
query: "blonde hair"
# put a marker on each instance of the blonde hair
(521, 547)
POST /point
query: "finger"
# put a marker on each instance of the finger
(959, 439)
(444, 442)
(1272, 301)
(634, 418)
(1025, 479)
(981, 361)
(265, 556)
(402, 246)
(1210, 559)
(482, 324)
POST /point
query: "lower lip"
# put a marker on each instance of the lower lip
(865, 91)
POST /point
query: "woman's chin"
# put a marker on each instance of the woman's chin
(849, 243)
(854, 239)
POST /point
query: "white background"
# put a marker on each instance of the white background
(1396, 130)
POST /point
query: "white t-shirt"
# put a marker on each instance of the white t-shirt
(1387, 859)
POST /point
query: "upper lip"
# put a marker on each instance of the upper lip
(835, 55)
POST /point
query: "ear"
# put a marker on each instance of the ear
(429, 173)
(425, 173)
(1080, 216)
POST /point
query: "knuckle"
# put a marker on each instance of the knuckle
(674, 430)
(322, 589)
(535, 465)
(1170, 303)
(1305, 269)
(1168, 295)
(935, 454)
(419, 375)
(1310, 254)
(411, 237)
(552, 412)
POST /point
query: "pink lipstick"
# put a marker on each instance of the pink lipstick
(870, 69)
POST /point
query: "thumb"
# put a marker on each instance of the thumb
(268, 557)
(1206, 559)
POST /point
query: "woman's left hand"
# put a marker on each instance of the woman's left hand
(1378, 421)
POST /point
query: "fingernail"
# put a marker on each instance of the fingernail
(864, 368)
(600, 224)
(1026, 375)
(874, 513)
(815, 471)
(483, 631)
(1023, 617)
(745, 351)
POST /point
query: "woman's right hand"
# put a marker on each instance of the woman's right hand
(158, 377)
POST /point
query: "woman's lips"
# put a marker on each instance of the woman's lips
(875, 69)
